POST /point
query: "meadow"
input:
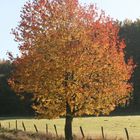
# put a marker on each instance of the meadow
(113, 126)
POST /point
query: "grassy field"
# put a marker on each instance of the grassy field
(113, 126)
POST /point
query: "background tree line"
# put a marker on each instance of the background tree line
(130, 31)
(11, 104)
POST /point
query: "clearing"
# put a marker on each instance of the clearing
(113, 126)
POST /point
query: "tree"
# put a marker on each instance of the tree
(71, 60)
(130, 31)
(8, 98)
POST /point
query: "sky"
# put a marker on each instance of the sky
(10, 16)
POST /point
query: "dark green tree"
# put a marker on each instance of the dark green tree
(130, 31)
(10, 103)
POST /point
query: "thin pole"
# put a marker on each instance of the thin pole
(82, 132)
(36, 128)
(23, 125)
(103, 136)
(127, 135)
(55, 130)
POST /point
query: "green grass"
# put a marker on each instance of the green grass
(113, 126)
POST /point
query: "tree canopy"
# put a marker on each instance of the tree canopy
(72, 59)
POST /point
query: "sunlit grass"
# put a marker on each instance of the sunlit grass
(113, 126)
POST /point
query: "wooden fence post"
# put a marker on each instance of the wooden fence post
(9, 125)
(23, 125)
(127, 135)
(82, 132)
(36, 128)
(103, 136)
(46, 129)
(55, 130)
(16, 124)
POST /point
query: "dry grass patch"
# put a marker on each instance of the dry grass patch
(6, 134)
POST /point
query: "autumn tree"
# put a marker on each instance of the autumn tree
(71, 59)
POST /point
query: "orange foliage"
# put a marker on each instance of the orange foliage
(70, 54)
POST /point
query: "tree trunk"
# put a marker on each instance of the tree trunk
(68, 123)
